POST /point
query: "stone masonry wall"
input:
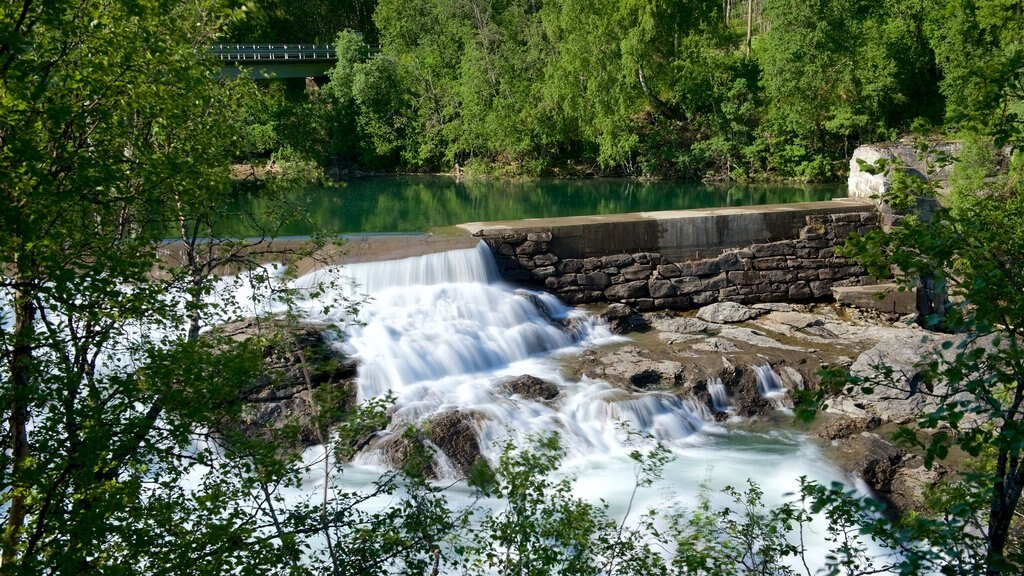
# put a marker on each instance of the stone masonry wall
(804, 268)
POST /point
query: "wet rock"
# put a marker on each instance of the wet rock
(622, 319)
(453, 433)
(727, 313)
(528, 386)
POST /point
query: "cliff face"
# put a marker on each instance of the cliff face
(932, 160)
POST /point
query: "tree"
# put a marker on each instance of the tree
(113, 137)
(972, 243)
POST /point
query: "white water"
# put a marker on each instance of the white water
(770, 386)
(438, 333)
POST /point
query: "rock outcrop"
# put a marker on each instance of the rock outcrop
(303, 386)
(929, 160)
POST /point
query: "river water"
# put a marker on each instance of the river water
(441, 331)
(390, 204)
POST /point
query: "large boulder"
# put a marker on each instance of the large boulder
(935, 163)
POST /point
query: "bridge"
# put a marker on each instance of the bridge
(273, 61)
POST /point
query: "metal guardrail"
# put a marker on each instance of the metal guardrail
(279, 52)
(272, 52)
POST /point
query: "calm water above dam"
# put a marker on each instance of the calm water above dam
(420, 203)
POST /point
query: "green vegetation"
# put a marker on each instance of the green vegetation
(591, 87)
(112, 132)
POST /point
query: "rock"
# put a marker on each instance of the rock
(529, 387)
(453, 433)
(873, 459)
(935, 164)
(898, 479)
(622, 319)
(628, 291)
(727, 312)
(835, 427)
(796, 320)
(302, 389)
(663, 322)
(630, 365)
(715, 345)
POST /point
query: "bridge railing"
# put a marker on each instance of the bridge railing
(278, 52)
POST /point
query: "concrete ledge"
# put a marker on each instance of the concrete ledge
(679, 235)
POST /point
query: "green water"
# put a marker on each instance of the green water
(421, 203)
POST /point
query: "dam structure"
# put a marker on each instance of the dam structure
(687, 258)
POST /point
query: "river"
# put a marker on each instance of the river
(408, 204)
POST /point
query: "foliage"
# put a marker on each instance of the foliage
(972, 247)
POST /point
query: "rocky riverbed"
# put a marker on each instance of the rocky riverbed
(737, 364)
(735, 348)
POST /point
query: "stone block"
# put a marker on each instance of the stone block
(661, 288)
(744, 278)
(594, 280)
(559, 283)
(641, 304)
(700, 267)
(591, 264)
(773, 263)
(688, 284)
(506, 249)
(545, 259)
(582, 297)
(529, 248)
(539, 237)
(811, 274)
(543, 272)
(703, 298)
(849, 217)
(820, 288)
(717, 282)
(780, 276)
(637, 271)
(674, 303)
(808, 253)
(570, 266)
(800, 291)
(616, 261)
(783, 248)
(628, 290)
(814, 263)
(730, 261)
(645, 258)
(513, 237)
(668, 271)
(822, 243)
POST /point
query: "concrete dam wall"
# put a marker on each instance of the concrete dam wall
(687, 258)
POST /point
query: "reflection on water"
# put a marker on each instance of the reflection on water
(419, 203)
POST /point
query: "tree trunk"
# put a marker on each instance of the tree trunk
(750, 24)
(21, 381)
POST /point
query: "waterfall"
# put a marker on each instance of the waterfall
(442, 333)
(770, 386)
(719, 397)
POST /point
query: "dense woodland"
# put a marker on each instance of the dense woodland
(696, 89)
(116, 385)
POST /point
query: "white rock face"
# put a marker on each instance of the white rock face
(935, 164)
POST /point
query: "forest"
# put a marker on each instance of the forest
(696, 90)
